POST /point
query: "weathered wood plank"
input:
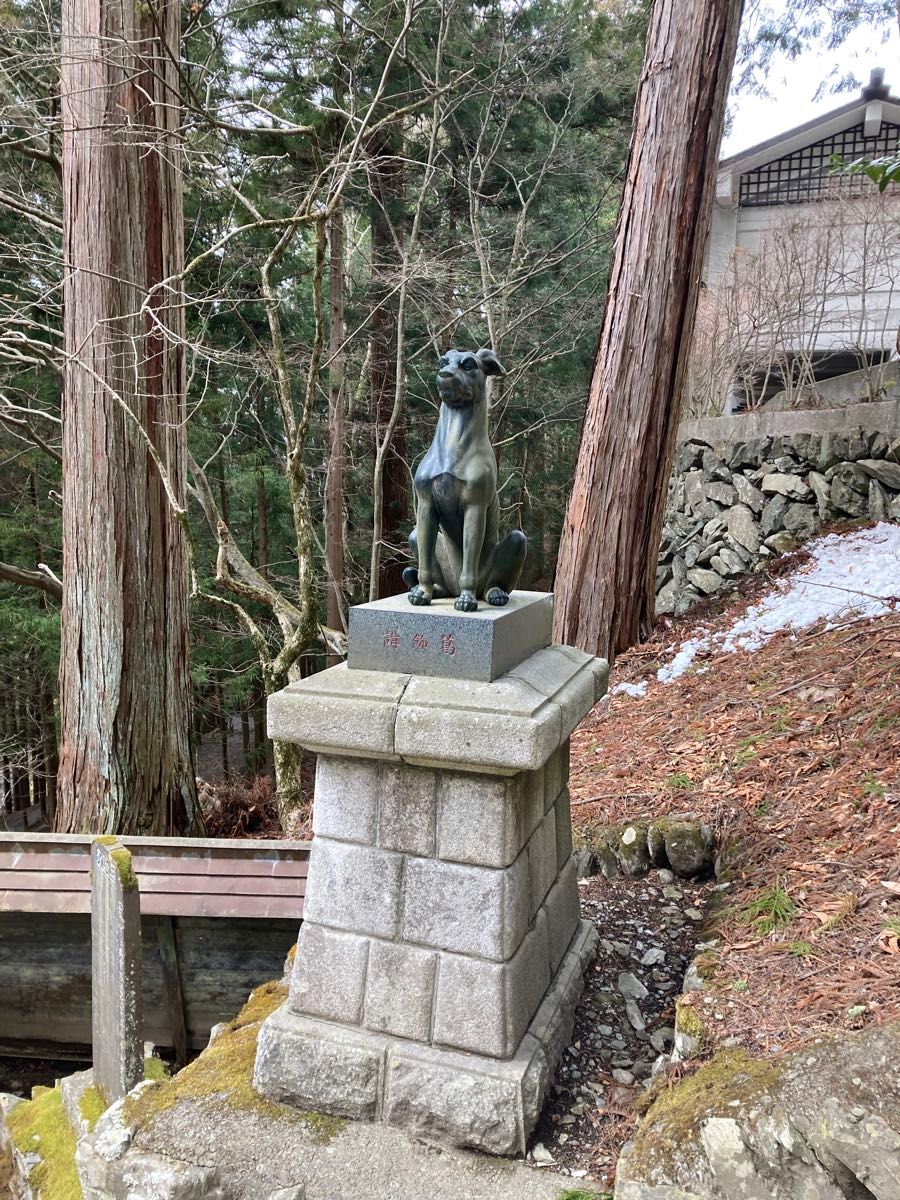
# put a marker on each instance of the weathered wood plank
(76, 860)
(45, 974)
(174, 997)
(77, 881)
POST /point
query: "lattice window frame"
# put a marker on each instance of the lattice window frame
(805, 174)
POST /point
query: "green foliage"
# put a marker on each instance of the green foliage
(771, 910)
(883, 170)
(680, 780)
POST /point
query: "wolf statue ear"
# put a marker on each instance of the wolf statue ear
(490, 364)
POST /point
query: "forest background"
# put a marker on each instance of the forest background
(363, 187)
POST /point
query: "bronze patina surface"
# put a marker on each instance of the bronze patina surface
(457, 510)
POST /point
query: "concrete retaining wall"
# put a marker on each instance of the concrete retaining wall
(719, 432)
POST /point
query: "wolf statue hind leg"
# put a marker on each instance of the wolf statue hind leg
(505, 567)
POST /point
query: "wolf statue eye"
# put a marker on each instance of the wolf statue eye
(469, 364)
(442, 362)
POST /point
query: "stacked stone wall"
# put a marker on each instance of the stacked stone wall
(734, 504)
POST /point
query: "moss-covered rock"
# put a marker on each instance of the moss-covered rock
(41, 1132)
(823, 1121)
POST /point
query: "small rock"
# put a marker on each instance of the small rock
(630, 985)
(662, 1038)
(743, 528)
(693, 914)
(784, 485)
(585, 863)
(653, 956)
(542, 1156)
(624, 1077)
(707, 581)
(664, 875)
(635, 1016)
(887, 473)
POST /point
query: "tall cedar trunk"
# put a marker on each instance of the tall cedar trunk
(334, 480)
(125, 757)
(386, 220)
(607, 561)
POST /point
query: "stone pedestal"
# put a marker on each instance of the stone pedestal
(441, 954)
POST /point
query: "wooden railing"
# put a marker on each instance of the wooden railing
(218, 918)
(179, 877)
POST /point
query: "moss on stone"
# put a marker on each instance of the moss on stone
(676, 1114)
(223, 1073)
(687, 1020)
(40, 1126)
(121, 859)
(92, 1105)
(106, 839)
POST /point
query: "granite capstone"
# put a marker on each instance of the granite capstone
(391, 635)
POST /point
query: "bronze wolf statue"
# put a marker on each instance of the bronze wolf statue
(457, 510)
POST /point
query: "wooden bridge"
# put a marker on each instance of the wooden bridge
(218, 918)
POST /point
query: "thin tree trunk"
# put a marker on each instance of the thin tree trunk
(262, 524)
(125, 758)
(607, 561)
(224, 729)
(334, 481)
(386, 219)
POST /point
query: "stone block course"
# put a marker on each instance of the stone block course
(470, 1008)
(399, 990)
(562, 812)
(486, 820)
(351, 887)
(541, 852)
(470, 910)
(318, 1066)
(408, 809)
(329, 975)
(563, 910)
(346, 798)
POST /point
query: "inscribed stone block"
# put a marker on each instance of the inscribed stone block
(399, 990)
(541, 852)
(469, 1007)
(471, 910)
(329, 975)
(117, 992)
(392, 635)
(346, 798)
(563, 910)
(353, 887)
(408, 809)
(563, 813)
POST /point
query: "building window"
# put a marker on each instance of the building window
(806, 173)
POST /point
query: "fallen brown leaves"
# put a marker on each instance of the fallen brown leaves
(793, 754)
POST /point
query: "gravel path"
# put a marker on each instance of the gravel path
(649, 930)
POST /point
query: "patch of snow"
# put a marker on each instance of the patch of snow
(630, 689)
(850, 577)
